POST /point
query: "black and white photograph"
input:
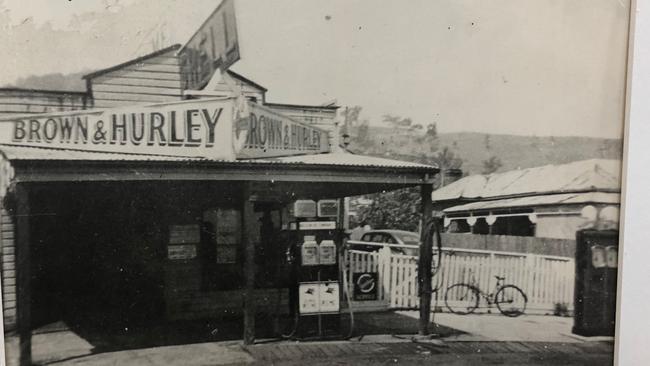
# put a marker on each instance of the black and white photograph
(286, 182)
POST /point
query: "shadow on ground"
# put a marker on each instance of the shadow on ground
(394, 323)
(58, 342)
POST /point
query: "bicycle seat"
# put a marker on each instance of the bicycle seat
(500, 278)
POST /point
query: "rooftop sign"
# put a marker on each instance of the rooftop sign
(214, 45)
(208, 128)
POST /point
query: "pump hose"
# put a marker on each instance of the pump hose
(346, 291)
(295, 321)
(432, 227)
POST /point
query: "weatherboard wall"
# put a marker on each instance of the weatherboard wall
(15, 101)
(150, 80)
(8, 269)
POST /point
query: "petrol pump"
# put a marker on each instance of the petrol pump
(316, 289)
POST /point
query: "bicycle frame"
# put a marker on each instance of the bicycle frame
(490, 297)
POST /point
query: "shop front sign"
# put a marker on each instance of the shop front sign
(202, 128)
(181, 252)
(192, 129)
(266, 133)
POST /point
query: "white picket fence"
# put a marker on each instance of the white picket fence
(546, 280)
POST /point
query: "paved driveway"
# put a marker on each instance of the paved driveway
(496, 327)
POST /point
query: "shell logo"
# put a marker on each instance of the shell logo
(241, 115)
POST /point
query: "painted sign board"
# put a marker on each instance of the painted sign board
(328, 208)
(365, 286)
(182, 234)
(308, 298)
(318, 298)
(329, 297)
(201, 128)
(214, 45)
(304, 208)
(181, 252)
(267, 133)
(317, 225)
(197, 128)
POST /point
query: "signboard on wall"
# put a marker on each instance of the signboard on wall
(181, 252)
(182, 241)
(214, 45)
(181, 234)
(317, 225)
(198, 128)
(268, 133)
(365, 286)
(318, 298)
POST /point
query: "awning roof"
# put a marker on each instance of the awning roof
(15, 152)
(579, 176)
(541, 200)
(333, 175)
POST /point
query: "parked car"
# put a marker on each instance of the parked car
(401, 242)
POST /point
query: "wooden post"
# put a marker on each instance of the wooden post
(426, 259)
(249, 266)
(23, 274)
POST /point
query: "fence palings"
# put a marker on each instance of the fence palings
(546, 280)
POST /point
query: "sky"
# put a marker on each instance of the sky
(543, 67)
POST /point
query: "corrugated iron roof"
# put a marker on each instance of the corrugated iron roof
(15, 152)
(585, 175)
(541, 200)
(344, 158)
(26, 153)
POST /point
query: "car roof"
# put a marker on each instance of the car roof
(389, 231)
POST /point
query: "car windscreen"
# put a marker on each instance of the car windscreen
(408, 238)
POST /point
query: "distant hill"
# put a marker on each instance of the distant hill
(57, 81)
(515, 152)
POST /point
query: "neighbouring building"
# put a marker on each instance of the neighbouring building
(552, 201)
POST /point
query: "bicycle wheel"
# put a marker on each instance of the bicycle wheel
(511, 300)
(461, 298)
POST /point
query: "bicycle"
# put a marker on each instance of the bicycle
(463, 298)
